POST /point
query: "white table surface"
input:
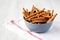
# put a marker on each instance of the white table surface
(12, 10)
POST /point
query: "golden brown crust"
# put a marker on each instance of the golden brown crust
(38, 16)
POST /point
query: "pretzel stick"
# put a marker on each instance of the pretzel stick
(47, 16)
(48, 12)
(52, 12)
(41, 10)
(38, 20)
(37, 9)
(32, 17)
(25, 13)
(33, 7)
(52, 18)
(35, 14)
(27, 10)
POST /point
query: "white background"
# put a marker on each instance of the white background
(12, 9)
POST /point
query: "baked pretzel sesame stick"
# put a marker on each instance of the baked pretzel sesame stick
(48, 16)
(41, 10)
(38, 15)
(35, 14)
(32, 10)
(33, 7)
(30, 16)
(52, 12)
(52, 18)
(27, 10)
(37, 9)
(48, 12)
(38, 20)
(25, 13)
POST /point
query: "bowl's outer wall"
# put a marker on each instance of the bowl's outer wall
(38, 27)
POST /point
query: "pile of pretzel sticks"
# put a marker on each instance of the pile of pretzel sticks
(38, 16)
